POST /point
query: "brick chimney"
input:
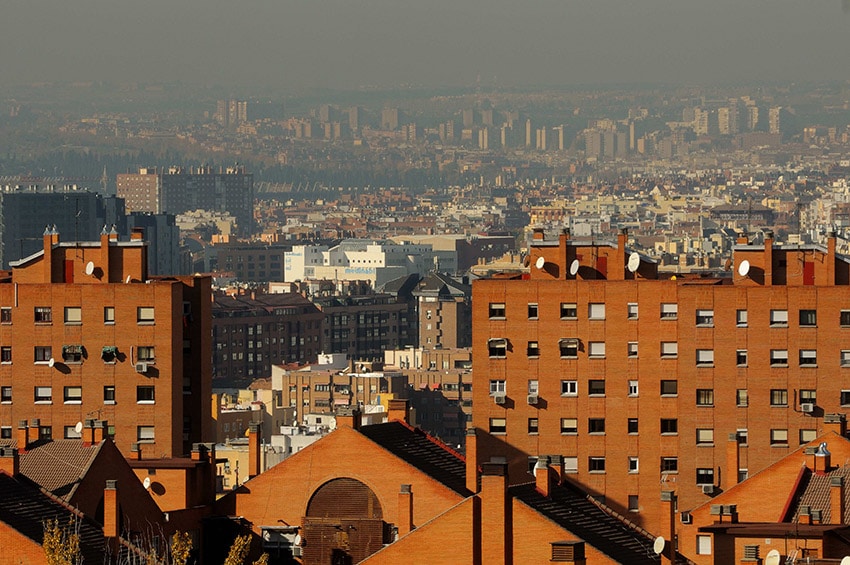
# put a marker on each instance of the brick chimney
(254, 449)
(350, 417)
(543, 476)
(835, 423)
(136, 450)
(836, 500)
(23, 436)
(495, 514)
(733, 461)
(101, 430)
(9, 461)
(823, 460)
(472, 460)
(405, 510)
(668, 513)
(537, 234)
(398, 410)
(111, 519)
(88, 432)
(768, 258)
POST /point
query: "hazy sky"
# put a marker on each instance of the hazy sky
(347, 43)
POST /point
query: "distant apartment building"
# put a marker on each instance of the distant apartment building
(232, 112)
(163, 237)
(259, 263)
(390, 119)
(444, 311)
(176, 190)
(363, 327)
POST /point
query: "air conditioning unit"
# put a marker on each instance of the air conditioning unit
(686, 517)
(708, 489)
(532, 399)
(500, 398)
(141, 367)
(807, 407)
(296, 551)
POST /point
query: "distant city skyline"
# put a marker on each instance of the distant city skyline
(346, 45)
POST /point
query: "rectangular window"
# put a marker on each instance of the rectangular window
(845, 397)
(778, 397)
(596, 464)
(632, 425)
(633, 388)
(73, 315)
(73, 395)
(778, 437)
(145, 353)
(569, 426)
(634, 505)
(568, 347)
(45, 433)
(6, 394)
(145, 314)
(596, 425)
(633, 465)
(808, 358)
(741, 397)
(669, 426)
(845, 357)
(779, 317)
(533, 311)
(705, 357)
(569, 388)
(808, 395)
(705, 397)
(5, 432)
(145, 434)
(72, 353)
(669, 348)
(669, 464)
(43, 353)
(669, 388)
(108, 314)
(596, 387)
(6, 354)
(632, 310)
(570, 464)
(532, 425)
(569, 311)
(741, 318)
(43, 394)
(497, 310)
(596, 311)
(743, 435)
(43, 314)
(741, 357)
(632, 349)
(498, 425)
(145, 395)
(669, 311)
(5, 315)
(72, 433)
(844, 319)
(498, 347)
(705, 476)
(109, 394)
(705, 436)
(533, 349)
(808, 318)
(807, 435)
(705, 317)
(533, 386)
(779, 357)
(596, 349)
(703, 545)
(497, 387)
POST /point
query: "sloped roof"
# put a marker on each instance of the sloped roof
(58, 466)
(442, 285)
(815, 493)
(424, 452)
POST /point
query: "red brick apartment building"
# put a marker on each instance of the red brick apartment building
(637, 378)
(87, 337)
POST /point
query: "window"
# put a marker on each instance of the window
(705, 397)
(807, 435)
(108, 314)
(533, 349)
(743, 436)
(569, 388)
(145, 434)
(596, 387)
(569, 426)
(669, 426)
(669, 464)
(634, 505)
(568, 347)
(497, 387)
(5, 315)
(6, 354)
(596, 464)
(145, 395)
(596, 311)
(109, 394)
(808, 395)
(43, 353)
(705, 436)
(73, 395)
(569, 310)
(633, 465)
(845, 357)
(779, 357)
(498, 425)
(72, 353)
(632, 349)
(844, 319)
(73, 315)
(705, 357)
(778, 397)
(596, 349)
(669, 348)
(778, 437)
(497, 310)
(43, 394)
(72, 433)
(632, 310)
(596, 425)
(705, 476)
(6, 394)
(669, 311)
(532, 311)
(808, 358)
(705, 317)
(741, 318)
(845, 397)
(633, 388)
(43, 315)
(5, 432)
(570, 464)
(741, 397)
(703, 545)
(533, 386)
(45, 433)
(145, 353)
(669, 388)
(741, 357)
(498, 347)
(779, 317)
(808, 318)
(532, 425)
(145, 314)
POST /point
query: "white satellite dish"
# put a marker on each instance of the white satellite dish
(51, 362)
(634, 262)
(127, 280)
(845, 560)
(540, 262)
(574, 267)
(772, 557)
(78, 427)
(297, 540)
(658, 545)
(744, 268)
(147, 483)
(89, 268)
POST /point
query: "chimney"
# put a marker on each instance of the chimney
(768, 258)
(619, 272)
(9, 461)
(199, 452)
(733, 461)
(405, 510)
(88, 432)
(254, 449)
(743, 239)
(138, 234)
(101, 428)
(537, 234)
(350, 417)
(836, 500)
(110, 510)
(136, 449)
(556, 466)
(398, 410)
(543, 476)
(822, 460)
(830, 258)
(668, 528)
(23, 436)
(836, 423)
(495, 513)
(472, 460)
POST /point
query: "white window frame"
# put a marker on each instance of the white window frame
(73, 315)
(497, 311)
(596, 349)
(634, 465)
(705, 317)
(669, 349)
(497, 387)
(145, 314)
(633, 388)
(778, 357)
(146, 434)
(705, 436)
(705, 357)
(776, 436)
(632, 311)
(808, 358)
(703, 544)
(570, 464)
(741, 318)
(571, 387)
(567, 307)
(632, 349)
(669, 311)
(779, 318)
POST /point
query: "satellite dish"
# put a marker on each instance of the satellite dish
(79, 427)
(51, 362)
(89, 268)
(297, 540)
(127, 280)
(574, 267)
(772, 557)
(147, 483)
(540, 262)
(634, 262)
(658, 545)
(744, 268)
(845, 560)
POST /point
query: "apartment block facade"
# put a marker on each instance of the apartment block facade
(638, 379)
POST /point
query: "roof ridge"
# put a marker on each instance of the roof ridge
(432, 439)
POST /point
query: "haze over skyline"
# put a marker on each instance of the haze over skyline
(338, 44)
